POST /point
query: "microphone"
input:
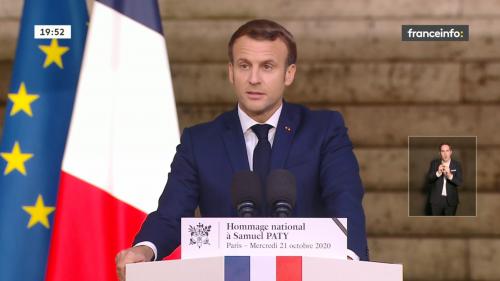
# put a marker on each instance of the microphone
(246, 193)
(281, 192)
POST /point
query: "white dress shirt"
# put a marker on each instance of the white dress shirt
(438, 174)
(251, 139)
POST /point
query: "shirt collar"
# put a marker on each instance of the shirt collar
(247, 122)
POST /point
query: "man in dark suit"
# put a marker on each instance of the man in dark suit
(445, 176)
(261, 134)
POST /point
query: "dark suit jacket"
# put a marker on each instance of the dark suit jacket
(452, 185)
(317, 151)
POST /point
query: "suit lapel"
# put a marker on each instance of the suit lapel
(285, 131)
(235, 142)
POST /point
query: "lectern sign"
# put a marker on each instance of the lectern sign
(314, 237)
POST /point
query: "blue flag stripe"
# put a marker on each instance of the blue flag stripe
(236, 268)
(145, 12)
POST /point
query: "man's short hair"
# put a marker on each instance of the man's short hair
(444, 143)
(262, 29)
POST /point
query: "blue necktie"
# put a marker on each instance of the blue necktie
(262, 151)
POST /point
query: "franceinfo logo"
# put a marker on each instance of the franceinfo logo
(435, 33)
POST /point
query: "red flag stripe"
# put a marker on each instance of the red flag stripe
(90, 228)
(288, 268)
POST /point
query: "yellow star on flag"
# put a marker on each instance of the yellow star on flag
(39, 212)
(15, 159)
(54, 53)
(22, 101)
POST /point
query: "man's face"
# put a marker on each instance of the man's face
(259, 75)
(445, 152)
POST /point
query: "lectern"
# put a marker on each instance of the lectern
(264, 249)
(262, 269)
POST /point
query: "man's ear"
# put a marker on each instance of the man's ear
(290, 74)
(230, 72)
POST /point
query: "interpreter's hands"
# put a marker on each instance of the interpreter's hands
(132, 255)
(447, 172)
(441, 169)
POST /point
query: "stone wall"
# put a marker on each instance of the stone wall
(351, 59)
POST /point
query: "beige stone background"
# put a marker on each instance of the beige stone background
(351, 59)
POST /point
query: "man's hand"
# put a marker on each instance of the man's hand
(442, 168)
(132, 255)
(447, 172)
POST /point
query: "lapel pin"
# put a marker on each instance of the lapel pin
(288, 129)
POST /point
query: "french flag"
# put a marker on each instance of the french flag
(120, 144)
(262, 268)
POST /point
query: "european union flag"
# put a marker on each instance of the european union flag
(37, 117)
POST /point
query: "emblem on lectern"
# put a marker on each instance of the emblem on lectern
(199, 235)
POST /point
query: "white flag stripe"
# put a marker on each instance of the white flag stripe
(124, 128)
(262, 268)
